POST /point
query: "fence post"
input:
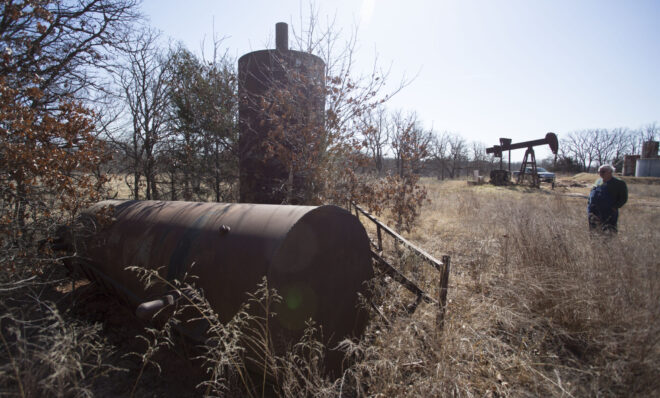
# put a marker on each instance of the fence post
(380, 238)
(442, 294)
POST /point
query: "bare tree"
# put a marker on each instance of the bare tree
(623, 143)
(376, 132)
(58, 46)
(49, 51)
(577, 146)
(203, 100)
(439, 150)
(48, 150)
(221, 128)
(603, 144)
(650, 132)
(401, 192)
(186, 94)
(458, 155)
(479, 160)
(410, 143)
(599, 146)
(144, 84)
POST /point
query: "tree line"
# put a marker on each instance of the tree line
(586, 150)
(87, 93)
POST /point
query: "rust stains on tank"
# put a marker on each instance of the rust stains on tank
(318, 259)
(262, 176)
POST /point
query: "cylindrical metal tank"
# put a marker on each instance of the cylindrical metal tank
(318, 259)
(263, 77)
(629, 164)
(650, 149)
(648, 168)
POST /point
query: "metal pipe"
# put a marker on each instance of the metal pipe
(148, 309)
(282, 36)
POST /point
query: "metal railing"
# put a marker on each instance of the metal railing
(383, 265)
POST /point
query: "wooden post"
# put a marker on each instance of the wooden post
(442, 293)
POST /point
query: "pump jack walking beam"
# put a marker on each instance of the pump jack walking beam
(550, 139)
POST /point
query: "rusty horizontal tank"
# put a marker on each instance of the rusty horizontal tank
(318, 259)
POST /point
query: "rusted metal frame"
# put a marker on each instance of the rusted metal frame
(536, 182)
(385, 267)
(412, 307)
(374, 245)
(550, 139)
(380, 238)
(434, 262)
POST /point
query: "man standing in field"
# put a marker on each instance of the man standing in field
(607, 196)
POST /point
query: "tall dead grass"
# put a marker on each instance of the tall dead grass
(45, 352)
(538, 307)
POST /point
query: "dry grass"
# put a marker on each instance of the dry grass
(44, 350)
(119, 186)
(537, 307)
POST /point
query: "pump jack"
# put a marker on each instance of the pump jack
(501, 177)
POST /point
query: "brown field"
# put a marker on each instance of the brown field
(536, 307)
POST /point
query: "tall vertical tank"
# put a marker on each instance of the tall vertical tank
(266, 78)
(629, 164)
(650, 149)
(649, 164)
(648, 167)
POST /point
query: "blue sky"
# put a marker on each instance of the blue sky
(484, 68)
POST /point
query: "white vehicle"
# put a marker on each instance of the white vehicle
(544, 175)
